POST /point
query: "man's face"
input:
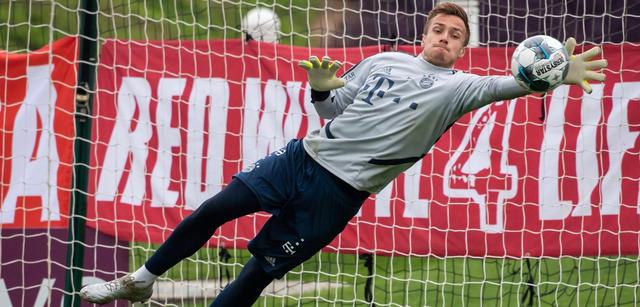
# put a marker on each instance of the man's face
(443, 44)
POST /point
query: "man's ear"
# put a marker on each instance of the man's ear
(422, 41)
(461, 53)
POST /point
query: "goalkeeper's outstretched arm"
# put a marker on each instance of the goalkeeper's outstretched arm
(322, 79)
(330, 95)
(477, 91)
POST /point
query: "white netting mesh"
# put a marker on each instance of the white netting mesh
(480, 220)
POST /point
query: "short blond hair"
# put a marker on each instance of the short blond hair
(449, 8)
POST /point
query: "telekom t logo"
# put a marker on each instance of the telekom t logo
(472, 173)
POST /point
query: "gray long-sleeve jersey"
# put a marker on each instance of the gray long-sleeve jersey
(391, 111)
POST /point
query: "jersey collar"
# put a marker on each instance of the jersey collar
(434, 67)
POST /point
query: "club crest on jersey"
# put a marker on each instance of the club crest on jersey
(426, 82)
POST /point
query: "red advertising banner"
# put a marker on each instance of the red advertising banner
(37, 132)
(36, 143)
(553, 175)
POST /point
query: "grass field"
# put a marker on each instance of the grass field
(432, 281)
(27, 24)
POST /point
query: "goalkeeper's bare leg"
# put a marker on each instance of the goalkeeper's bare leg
(191, 234)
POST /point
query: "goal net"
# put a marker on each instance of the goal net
(533, 201)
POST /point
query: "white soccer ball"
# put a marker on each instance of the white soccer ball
(540, 63)
(261, 24)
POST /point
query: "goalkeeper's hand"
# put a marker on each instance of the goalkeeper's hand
(322, 76)
(581, 70)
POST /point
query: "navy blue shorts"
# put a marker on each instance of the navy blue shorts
(309, 207)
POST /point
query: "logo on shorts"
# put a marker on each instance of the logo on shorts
(252, 166)
(290, 248)
(271, 260)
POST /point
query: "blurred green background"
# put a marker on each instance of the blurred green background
(424, 281)
(28, 25)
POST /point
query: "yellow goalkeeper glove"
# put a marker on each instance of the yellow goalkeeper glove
(581, 70)
(322, 76)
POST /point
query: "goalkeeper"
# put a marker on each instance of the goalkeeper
(385, 114)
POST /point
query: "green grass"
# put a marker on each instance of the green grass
(29, 25)
(432, 281)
